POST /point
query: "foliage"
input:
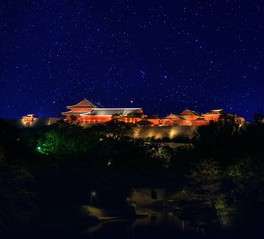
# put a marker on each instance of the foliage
(258, 118)
(10, 145)
(102, 158)
(207, 175)
(17, 203)
(115, 130)
(218, 175)
(206, 184)
(231, 182)
(220, 140)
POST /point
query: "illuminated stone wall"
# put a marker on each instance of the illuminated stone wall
(160, 132)
(27, 121)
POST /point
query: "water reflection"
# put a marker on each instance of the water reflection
(151, 223)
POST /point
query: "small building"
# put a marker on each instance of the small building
(28, 119)
(214, 115)
(190, 114)
(199, 121)
(31, 120)
(146, 197)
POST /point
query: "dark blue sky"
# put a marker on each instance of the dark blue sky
(164, 56)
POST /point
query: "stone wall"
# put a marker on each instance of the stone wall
(160, 132)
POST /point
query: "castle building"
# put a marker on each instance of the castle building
(76, 110)
(214, 115)
(86, 112)
(31, 120)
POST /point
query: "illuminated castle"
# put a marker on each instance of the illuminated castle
(31, 120)
(86, 112)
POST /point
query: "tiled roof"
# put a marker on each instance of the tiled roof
(182, 118)
(73, 112)
(200, 118)
(144, 122)
(113, 111)
(153, 117)
(190, 112)
(83, 104)
(172, 116)
(214, 112)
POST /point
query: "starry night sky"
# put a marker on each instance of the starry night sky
(163, 55)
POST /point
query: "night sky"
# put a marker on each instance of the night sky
(163, 55)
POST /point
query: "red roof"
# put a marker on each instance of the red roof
(172, 116)
(190, 112)
(83, 104)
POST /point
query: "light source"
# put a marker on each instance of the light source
(93, 194)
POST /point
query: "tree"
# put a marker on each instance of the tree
(205, 184)
(220, 140)
(258, 118)
(17, 202)
(115, 130)
(9, 140)
(245, 179)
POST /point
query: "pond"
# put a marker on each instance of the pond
(152, 224)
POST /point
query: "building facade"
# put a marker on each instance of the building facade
(86, 113)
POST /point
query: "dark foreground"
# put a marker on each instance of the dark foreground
(155, 224)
